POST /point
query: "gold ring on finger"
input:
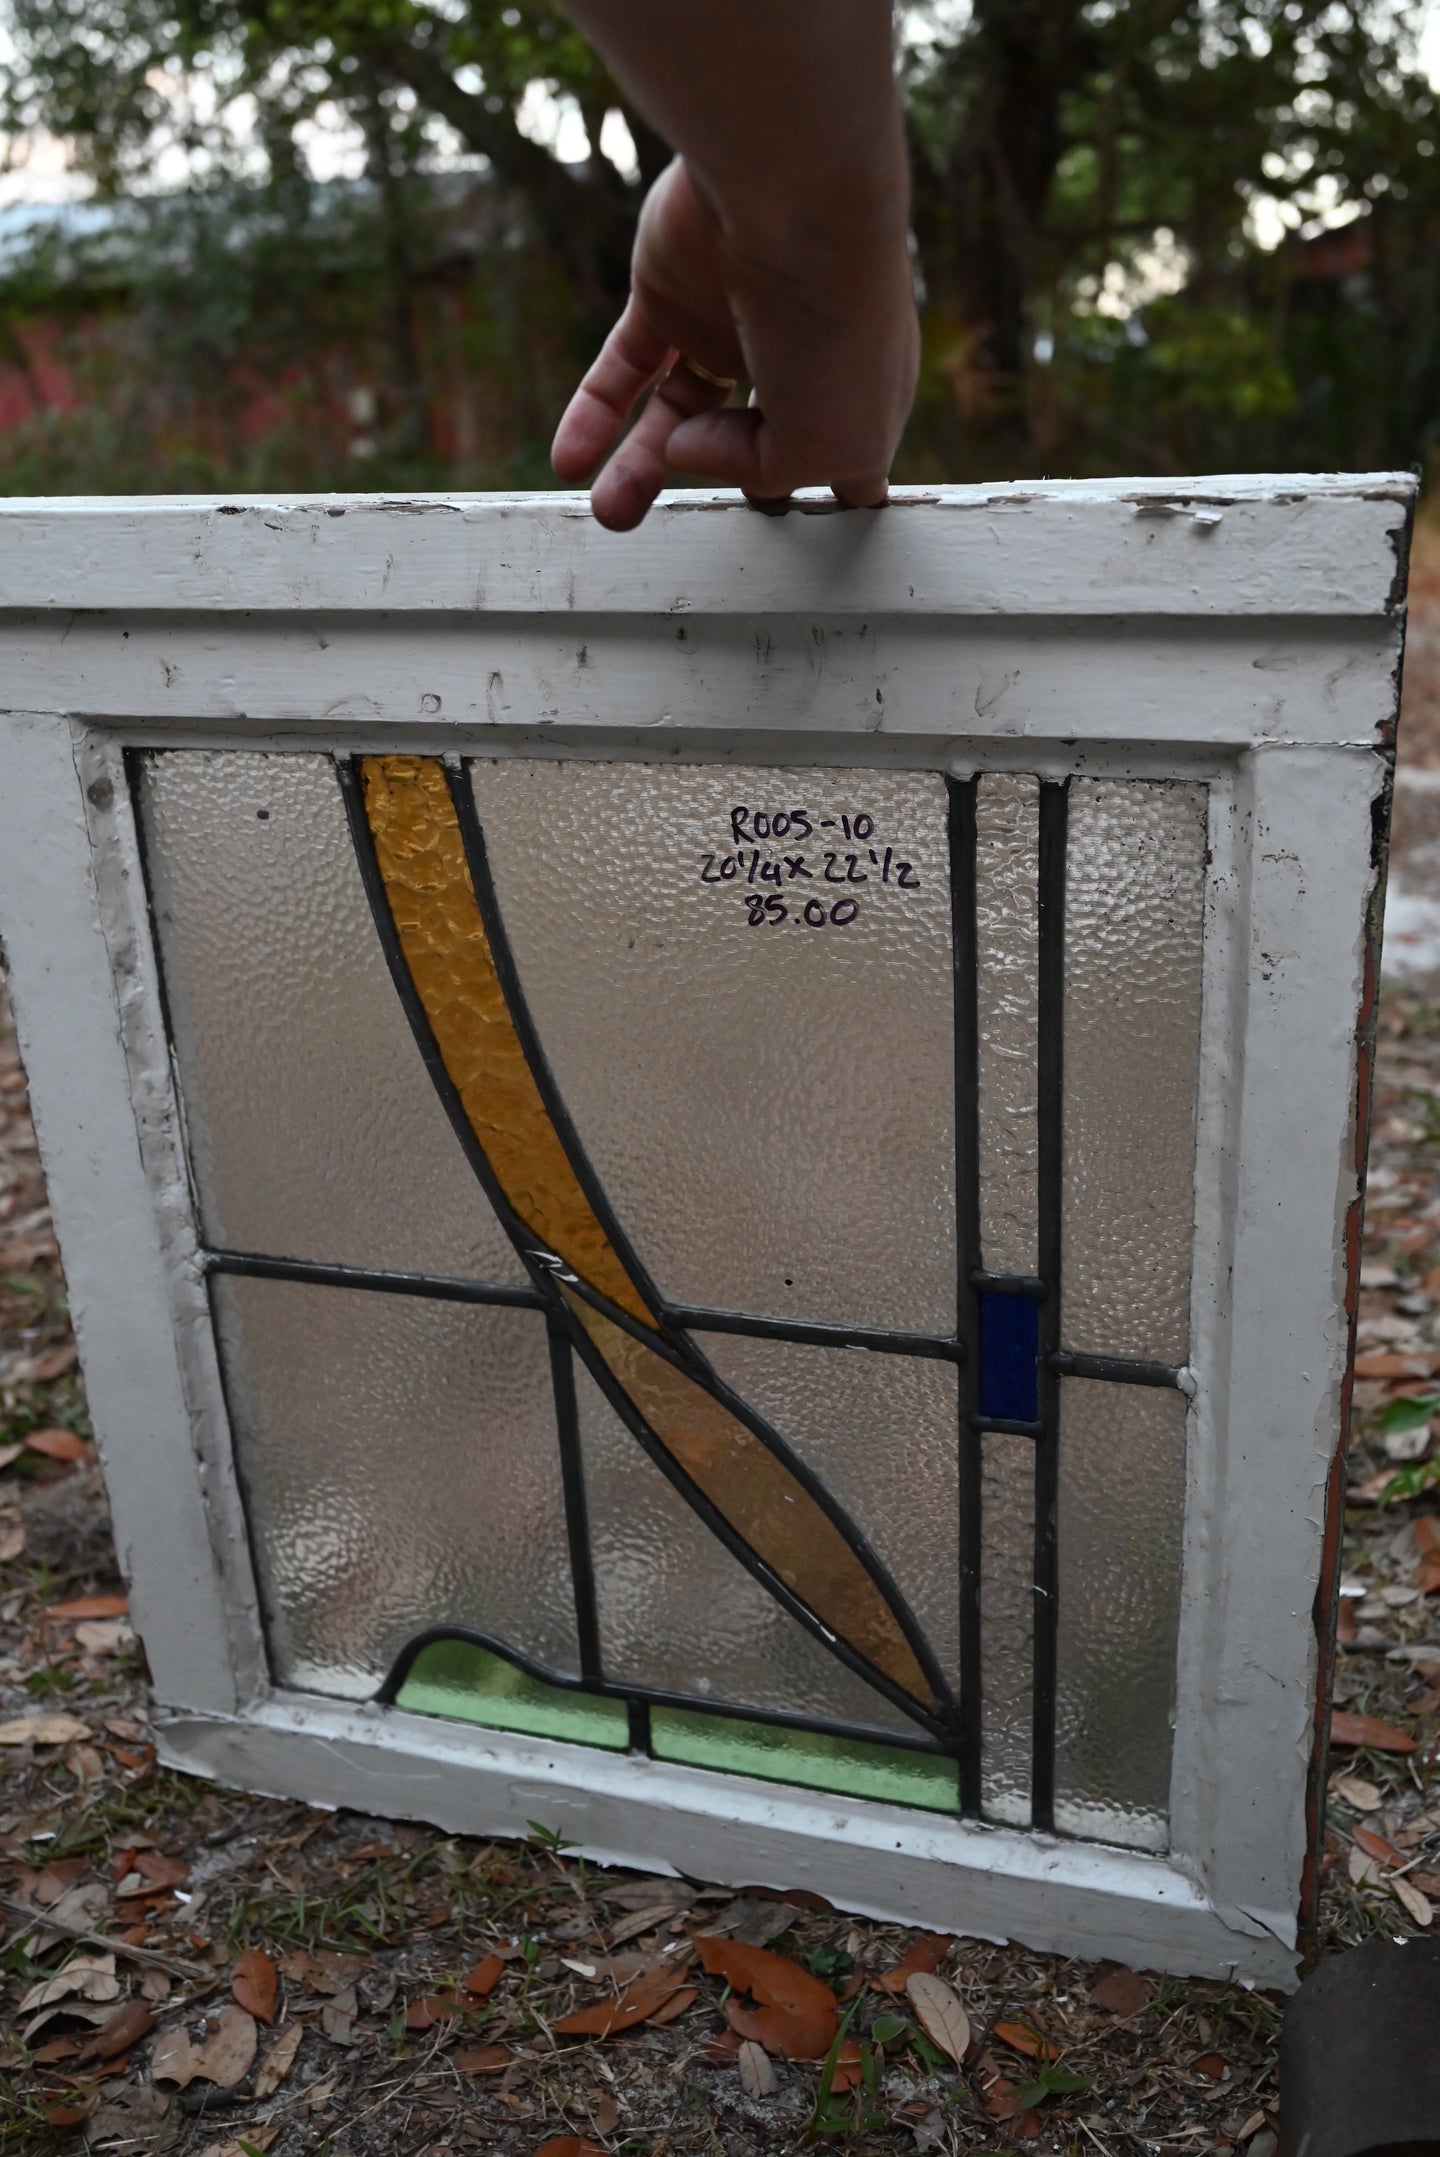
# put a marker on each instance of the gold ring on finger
(716, 381)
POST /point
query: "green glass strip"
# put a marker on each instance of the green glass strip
(849, 1766)
(459, 1679)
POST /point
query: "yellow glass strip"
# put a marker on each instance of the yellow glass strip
(760, 1498)
(427, 881)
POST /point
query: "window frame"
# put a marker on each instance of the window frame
(1246, 632)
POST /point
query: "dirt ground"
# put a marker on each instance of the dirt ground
(189, 1971)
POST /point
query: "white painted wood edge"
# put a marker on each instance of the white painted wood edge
(86, 1016)
(1299, 545)
(883, 1861)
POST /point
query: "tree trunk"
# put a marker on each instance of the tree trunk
(977, 220)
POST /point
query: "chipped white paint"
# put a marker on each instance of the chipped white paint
(1240, 630)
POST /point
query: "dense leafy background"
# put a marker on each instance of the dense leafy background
(1100, 191)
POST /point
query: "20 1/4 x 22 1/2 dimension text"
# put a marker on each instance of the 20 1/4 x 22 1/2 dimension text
(835, 863)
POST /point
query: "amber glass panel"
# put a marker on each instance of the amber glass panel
(760, 1498)
(432, 900)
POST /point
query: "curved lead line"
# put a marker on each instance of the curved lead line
(459, 970)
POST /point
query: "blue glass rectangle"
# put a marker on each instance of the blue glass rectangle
(1009, 1357)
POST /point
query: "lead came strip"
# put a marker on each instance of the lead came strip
(964, 932)
(1054, 802)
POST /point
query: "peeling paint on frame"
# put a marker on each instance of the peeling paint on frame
(1246, 632)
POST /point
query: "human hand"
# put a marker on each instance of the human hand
(820, 319)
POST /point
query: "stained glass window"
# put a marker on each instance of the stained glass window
(700, 1253)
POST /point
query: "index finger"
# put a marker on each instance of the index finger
(631, 360)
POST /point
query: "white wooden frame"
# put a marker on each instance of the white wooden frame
(1247, 631)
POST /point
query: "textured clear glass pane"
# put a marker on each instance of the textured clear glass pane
(401, 1470)
(846, 1765)
(1122, 1499)
(1133, 931)
(882, 1433)
(769, 1108)
(1007, 900)
(679, 1613)
(1007, 1626)
(314, 1129)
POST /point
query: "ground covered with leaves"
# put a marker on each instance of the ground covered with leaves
(187, 1970)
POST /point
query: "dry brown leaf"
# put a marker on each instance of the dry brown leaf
(423, 2014)
(1390, 1363)
(160, 1870)
(757, 2076)
(681, 2000)
(43, 1730)
(720, 2048)
(89, 1606)
(1369, 1731)
(1000, 2098)
(1418, 1905)
(939, 2014)
(12, 1542)
(56, 1444)
(85, 1977)
(255, 1983)
(1360, 1869)
(485, 1976)
(1021, 2038)
(640, 2000)
(1427, 1535)
(1377, 1846)
(120, 2031)
(338, 2023)
(795, 2015)
(1120, 1991)
(848, 2066)
(1211, 2066)
(258, 2138)
(604, 2114)
(174, 2059)
(279, 2060)
(925, 1952)
(482, 2059)
(1357, 1791)
(131, 2113)
(642, 1921)
(569, 2146)
(648, 1894)
(228, 2053)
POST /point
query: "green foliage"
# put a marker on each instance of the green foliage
(1412, 1481)
(1409, 1412)
(1095, 182)
(1050, 2081)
